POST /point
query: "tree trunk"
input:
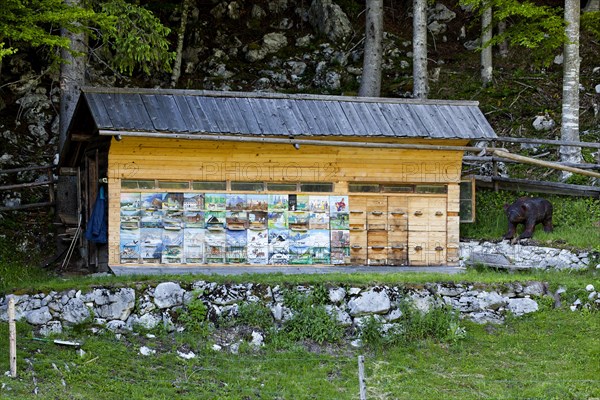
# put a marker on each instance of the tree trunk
(592, 5)
(370, 83)
(486, 50)
(72, 77)
(503, 46)
(180, 36)
(420, 81)
(569, 127)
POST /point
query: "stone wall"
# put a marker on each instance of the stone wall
(123, 309)
(517, 256)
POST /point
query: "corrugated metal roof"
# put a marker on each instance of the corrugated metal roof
(271, 114)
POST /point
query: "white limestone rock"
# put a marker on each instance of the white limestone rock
(373, 301)
(521, 306)
(168, 294)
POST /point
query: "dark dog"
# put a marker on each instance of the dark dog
(530, 212)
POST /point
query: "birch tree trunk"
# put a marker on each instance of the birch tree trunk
(569, 127)
(180, 36)
(370, 83)
(486, 51)
(420, 80)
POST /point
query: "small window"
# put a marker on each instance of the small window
(467, 201)
(197, 185)
(248, 186)
(173, 185)
(363, 188)
(316, 187)
(397, 188)
(282, 187)
(137, 184)
(431, 189)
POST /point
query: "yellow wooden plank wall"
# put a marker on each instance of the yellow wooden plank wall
(114, 220)
(149, 158)
(173, 159)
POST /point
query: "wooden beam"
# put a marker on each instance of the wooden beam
(24, 169)
(27, 206)
(528, 160)
(265, 95)
(25, 185)
(306, 142)
(527, 185)
(506, 160)
(81, 137)
(541, 141)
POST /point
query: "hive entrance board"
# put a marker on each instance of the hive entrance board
(397, 230)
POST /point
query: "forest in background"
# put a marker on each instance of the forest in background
(286, 46)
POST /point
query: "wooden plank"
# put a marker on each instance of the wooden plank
(247, 113)
(474, 127)
(356, 123)
(98, 109)
(383, 125)
(237, 120)
(183, 108)
(213, 110)
(455, 119)
(342, 124)
(165, 114)
(201, 112)
(363, 112)
(293, 125)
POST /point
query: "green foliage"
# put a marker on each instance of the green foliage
(137, 38)
(540, 29)
(36, 23)
(194, 316)
(439, 323)
(255, 315)
(310, 320)
(590, 22)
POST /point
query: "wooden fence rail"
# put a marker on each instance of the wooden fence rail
(497, 182)
(49, 182)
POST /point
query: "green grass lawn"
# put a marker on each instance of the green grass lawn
(553, 354)
(576, 220)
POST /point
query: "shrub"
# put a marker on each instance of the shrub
(310, 320)
(194, 316)
(440, 323)
(255, 315)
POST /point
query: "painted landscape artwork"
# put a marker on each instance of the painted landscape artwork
(218, 228)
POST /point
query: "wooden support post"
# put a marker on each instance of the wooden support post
(50, 173)
(361, 378)
(495, 168)
(12, 337)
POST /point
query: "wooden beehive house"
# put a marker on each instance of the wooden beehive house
(301, 179)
